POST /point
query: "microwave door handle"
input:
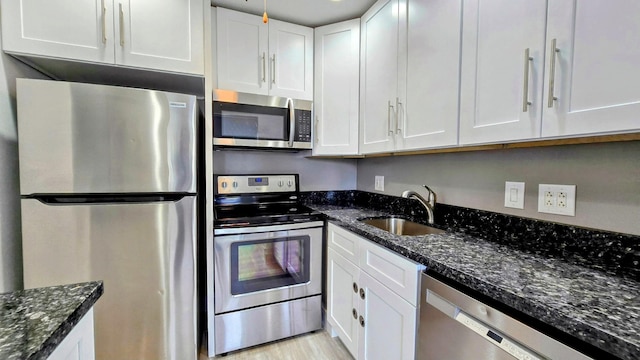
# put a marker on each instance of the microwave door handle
(292, 121)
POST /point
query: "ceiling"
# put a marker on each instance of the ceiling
(304, 12)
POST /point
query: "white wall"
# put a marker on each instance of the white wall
(607, 178)
(10, 238)
(315, 174)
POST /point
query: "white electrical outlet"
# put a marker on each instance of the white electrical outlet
(557, 199)
(379, 183)
(514, 195)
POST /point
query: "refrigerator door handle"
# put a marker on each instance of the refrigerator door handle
(81, 199)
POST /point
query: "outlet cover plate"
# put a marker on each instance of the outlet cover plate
(379, 183)
(557, 199)
(514, 195)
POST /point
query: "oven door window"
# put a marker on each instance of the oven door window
(268, 264)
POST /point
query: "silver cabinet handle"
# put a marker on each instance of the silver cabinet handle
(264, 68)
(552, 73)
(354, 313)
(389, 108)
(362, 293)
(398, 104)
(315, 131)
(273, 73)
(361, 321)
(121, 25)
(104, 23)
(525, 92)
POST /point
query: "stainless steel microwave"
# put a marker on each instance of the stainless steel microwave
(260, 121)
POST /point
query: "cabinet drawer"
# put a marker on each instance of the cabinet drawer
(399, 274)
(344, 242)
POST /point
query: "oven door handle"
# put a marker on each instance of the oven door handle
(266, 228)
(292, 121)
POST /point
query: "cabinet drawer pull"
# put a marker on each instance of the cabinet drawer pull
(361, 321)
(355, 288)
(121, 25)
(525, 90)
(552, 73)
(104, 23)
(354, 313)
(362, 293)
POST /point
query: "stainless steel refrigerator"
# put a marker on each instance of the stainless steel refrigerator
(108, 192)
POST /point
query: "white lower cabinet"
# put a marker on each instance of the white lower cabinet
(79, 343)
(372, 297)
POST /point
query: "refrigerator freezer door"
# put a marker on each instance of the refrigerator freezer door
(144, 253)
(84, 138)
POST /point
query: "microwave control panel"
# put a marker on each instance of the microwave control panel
(303, 126)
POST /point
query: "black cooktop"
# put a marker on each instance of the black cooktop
(256, 214)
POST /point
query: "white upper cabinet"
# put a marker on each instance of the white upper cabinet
(274, 58)
(379, 76)
(81, 30)
(409, 75)
(429, 116)
(503, 56)
(243, 48)
(336, 94)
(165, 35)
(595, 68)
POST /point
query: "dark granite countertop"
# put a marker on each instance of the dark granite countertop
(34, 321)
(591, 305)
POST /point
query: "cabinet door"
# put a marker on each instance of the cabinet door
(379, 75)
(342, 299)
(497, 79)
(243, 41)
(388, 325)
(429, 116)
(596, 78)
(164, 35)
(81, 30)
(291, 60)
(79, 342)
(336, 95)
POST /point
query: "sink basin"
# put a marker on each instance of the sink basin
(401, 226)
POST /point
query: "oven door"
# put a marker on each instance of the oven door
(265, 265)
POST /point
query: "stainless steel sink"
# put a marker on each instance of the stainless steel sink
(401, 226)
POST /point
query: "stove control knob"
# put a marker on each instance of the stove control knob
(235, 184)
(280, 183)
(224, 184)
(290, 183)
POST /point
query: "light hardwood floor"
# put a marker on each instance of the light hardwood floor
(316, 346)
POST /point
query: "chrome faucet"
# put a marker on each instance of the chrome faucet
(429, 204)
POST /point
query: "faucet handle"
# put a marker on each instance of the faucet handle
(431, 198)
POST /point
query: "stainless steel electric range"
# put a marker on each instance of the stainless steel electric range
(266, 261)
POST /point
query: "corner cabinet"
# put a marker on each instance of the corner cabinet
(372, 297)
(166, 35)
(409, 75)
(336, 93)
(269, 59)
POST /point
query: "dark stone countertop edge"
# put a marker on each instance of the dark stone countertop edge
(554, 319)
(49, 345)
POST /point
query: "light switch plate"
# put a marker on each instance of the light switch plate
(379, 183)
(514, 195)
